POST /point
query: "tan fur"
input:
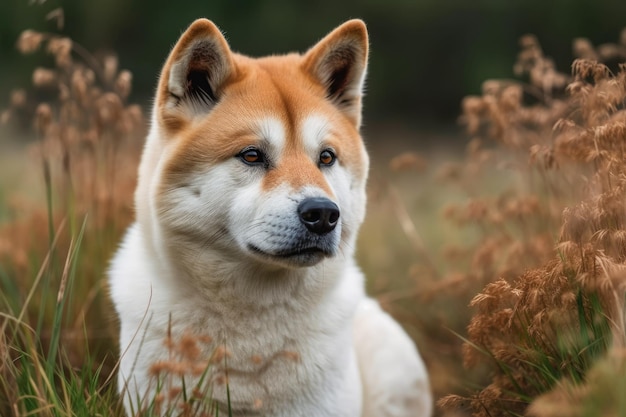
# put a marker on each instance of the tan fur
(283, 89)
(259, 254)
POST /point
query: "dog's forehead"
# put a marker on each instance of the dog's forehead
(271, 129)
(272, 102)
(286, 103)
(313, 129)
(309, 132)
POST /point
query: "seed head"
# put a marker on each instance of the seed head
(29, 41)
(110, 65)
(44, 78)
(61, 49)
(584, 49)
(123, 84)
(408, 161)
(43, 118)
(18, 99)
(219, 355)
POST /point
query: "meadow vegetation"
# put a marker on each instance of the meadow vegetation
(507, 263)
(56, 344)
(553, 302)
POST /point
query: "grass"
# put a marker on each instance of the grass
(505, 260)
(37, 377)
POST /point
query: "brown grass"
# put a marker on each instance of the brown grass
(532, 235)
(565, 136)
(88, 141)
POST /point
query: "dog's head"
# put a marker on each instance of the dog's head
(257, 158)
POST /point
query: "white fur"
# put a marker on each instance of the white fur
(314, 130)
(272, 130)
(259, 311)
(303, 339)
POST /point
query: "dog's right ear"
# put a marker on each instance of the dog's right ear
(194, 75)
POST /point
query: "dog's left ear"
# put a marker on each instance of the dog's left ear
(339, 63)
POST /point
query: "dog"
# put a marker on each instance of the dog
(250, 194)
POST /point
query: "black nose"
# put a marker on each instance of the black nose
(319, 215)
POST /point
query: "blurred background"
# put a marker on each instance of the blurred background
(425, 54)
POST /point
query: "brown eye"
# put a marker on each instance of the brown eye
(327, 157)
(252, 156)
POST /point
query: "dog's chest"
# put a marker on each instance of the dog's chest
(267, 358)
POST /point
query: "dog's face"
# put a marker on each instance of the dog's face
(257, 158)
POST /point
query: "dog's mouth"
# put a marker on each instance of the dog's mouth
(304, 256)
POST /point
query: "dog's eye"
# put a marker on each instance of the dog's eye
(327, 158)
(252, 156)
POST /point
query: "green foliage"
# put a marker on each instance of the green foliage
(57, 344)
(37, 377)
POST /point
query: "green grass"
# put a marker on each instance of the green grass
(37, 376)
(59, 365)
(430, 247)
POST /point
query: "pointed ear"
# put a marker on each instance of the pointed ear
(194, 74)
(339, 63)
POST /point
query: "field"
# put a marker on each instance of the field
(503, 254)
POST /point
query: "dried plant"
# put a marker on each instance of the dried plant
(88, 144)
(600, 395)
(182, 382)
(548, 253)
(554, 296)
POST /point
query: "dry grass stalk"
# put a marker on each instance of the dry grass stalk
(600, 395)
(181, 382)
(88, 144)
(540, 326)
(88, 135)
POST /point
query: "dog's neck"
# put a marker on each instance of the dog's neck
(222, 277)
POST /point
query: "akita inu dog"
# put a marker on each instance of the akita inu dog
(251, 192)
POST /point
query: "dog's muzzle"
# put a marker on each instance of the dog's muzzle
(304, 239)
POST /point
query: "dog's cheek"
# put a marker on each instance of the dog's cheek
(349, 190)
(243, 211)
(257, 214)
